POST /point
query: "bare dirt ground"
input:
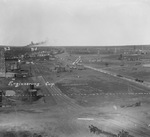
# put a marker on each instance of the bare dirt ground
(77, 100)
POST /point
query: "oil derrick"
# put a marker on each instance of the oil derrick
(2, 63)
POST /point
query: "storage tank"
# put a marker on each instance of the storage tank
(32, 94)
(10, 93)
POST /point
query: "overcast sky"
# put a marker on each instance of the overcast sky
(75, 22)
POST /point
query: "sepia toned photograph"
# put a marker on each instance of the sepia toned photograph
(74, 68)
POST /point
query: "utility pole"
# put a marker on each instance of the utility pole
(2, 64)
(30, 70)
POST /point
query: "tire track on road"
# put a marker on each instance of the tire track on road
(56, 93)
(59, 96)
(122, 78)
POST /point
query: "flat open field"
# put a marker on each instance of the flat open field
(133, 69)
(72, 101)
(96, 89)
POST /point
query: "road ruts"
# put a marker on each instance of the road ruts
(115, 75)
(60, 97)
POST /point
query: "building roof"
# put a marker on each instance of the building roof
(15, 59)
(10, 93)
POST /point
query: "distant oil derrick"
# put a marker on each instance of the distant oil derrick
(2, 63)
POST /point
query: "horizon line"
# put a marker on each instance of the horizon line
(75, 45)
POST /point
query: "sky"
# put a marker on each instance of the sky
(75, 22)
